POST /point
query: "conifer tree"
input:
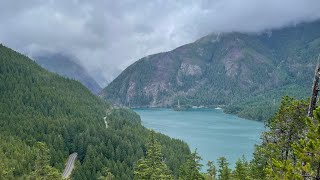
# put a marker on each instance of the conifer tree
(190, 169)
(242, 170)
(258, 163)
(224, 171)
(152, 166)
(42, 169)
(307, 149)
(284, 129)
(211, 171)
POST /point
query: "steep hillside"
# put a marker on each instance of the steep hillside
(39, 106)
(68, 67)
(229, 70)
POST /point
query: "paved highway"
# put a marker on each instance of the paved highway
(69, 166)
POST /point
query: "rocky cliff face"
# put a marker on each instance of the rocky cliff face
(220, 69)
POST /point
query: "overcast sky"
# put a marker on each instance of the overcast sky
(108, 35)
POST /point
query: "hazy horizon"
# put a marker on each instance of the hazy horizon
(108, 36)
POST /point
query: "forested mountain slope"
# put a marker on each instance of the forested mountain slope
(39, 106)
(68, 67)
(246, 73)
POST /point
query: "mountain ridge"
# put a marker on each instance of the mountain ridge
(222, 70)
(67, 66)
(62, 116)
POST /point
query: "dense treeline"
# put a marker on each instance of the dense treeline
(44, 118)
(264, 106)
(290, 150)
(247, 74)
(38, 106)
(20, 161)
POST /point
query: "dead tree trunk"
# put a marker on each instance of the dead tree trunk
(313, 101)
(315, 89)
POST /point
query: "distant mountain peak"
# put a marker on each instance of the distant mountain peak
(226, 69)
(67, 66)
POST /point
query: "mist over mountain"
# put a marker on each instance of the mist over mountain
(67, 66)
(75, 77)
(40, 107)
(110, 35)
(246, 73)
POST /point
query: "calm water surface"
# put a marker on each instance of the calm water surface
(212, 132)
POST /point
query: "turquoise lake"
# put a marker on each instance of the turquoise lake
(212, 132)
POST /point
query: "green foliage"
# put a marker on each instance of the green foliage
(191, 168)
(106, 175)
(211, 171)
(224, 170)
(44, 118)
(285, 128)
(152, 166)
(283, 170)
(258, 163)
(242, 170)
(16, 158)
(289, 151)
(291, 146)
(38, 106)
(42, 169)
(20, 161)
(263, 107)
(307, 149)
(67, 66)
(247, 74)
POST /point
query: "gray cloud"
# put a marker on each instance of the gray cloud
(106, 36)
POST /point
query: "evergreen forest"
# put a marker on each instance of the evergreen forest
(45, 117)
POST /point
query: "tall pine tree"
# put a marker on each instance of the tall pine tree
(152, 167)
(224, 170)
(191, 168)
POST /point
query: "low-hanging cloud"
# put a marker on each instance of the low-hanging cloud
(107, 36)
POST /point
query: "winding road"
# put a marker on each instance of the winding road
(69, 166)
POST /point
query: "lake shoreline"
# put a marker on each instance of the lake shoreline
(211, 131)
(197, 109)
